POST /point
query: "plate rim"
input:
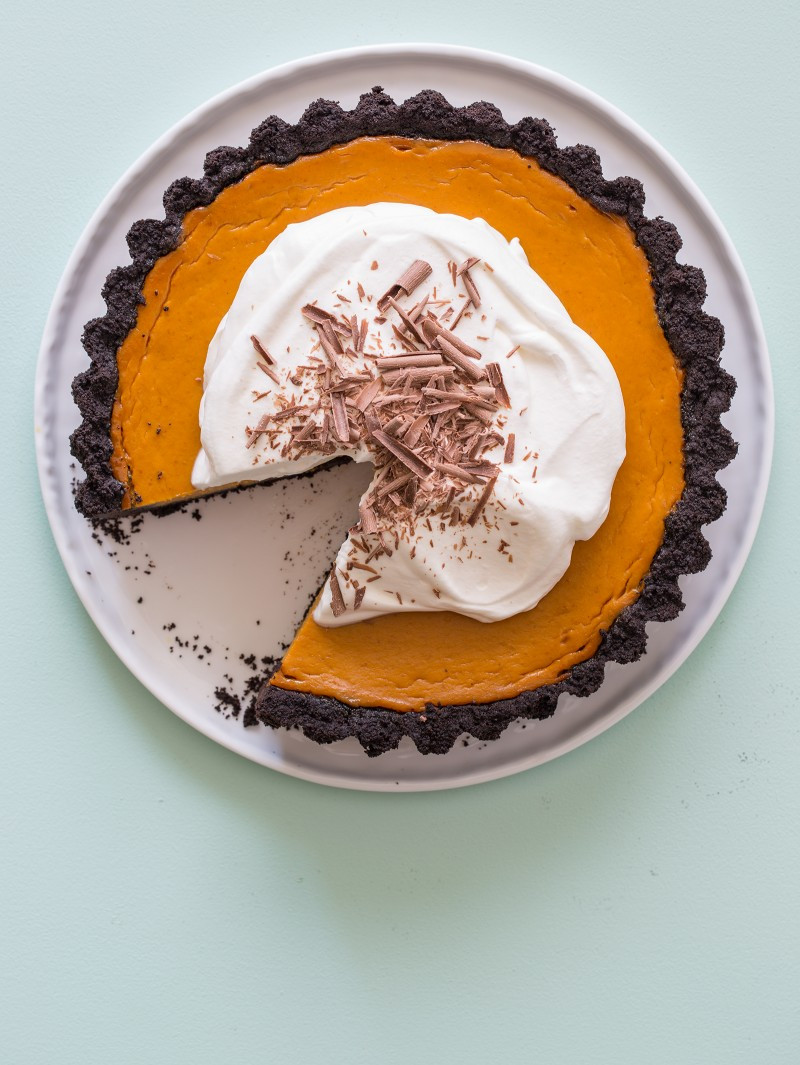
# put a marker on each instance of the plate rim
(408, 52)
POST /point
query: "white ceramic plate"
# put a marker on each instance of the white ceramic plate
(238, 581)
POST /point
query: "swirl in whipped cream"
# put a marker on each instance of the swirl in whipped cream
(488, 548)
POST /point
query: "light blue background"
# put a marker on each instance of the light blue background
(165, 901)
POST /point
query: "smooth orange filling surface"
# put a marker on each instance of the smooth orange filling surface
(591, 262)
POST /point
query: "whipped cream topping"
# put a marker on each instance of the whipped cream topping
(494, 546)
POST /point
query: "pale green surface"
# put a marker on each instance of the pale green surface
(165, 901)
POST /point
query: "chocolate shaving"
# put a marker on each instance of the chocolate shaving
(430, 328)
(367, 394)
(456, 471)
(327, 347)
(262, 351)
(467, 265)
(416, 311)
(332, 337)
(435, 329)
(317, 314)
(367, 518)
(478, 411)
(287, 412)
(340, 417)
(462, 397)
(496, 378)
(414, 431)
(467, 302)
(307, 431)
(482, 470)
(509, 455)
(406, 342)
(259, 430)
(393, 485)
(362, 566)
(446, 405)
(405, 454)
(268, 371)
(408, 322)
(395, 424)
(482, 501)
(485, 390)
(371, 420)
(359, 598)
(338, 605)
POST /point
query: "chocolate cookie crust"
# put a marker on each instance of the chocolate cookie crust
(695, 338)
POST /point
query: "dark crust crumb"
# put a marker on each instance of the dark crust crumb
(695, 337)
(241, 704)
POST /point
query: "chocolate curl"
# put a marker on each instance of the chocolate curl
(407, 282)
(460, 360)
(399, 362)
(414, 275)
(432, 329)
(471, 287)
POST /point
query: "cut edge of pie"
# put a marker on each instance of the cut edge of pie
(695, 338)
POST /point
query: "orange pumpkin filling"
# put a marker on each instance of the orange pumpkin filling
(591, 262)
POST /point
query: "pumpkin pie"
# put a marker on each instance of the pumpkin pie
(429, 674)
